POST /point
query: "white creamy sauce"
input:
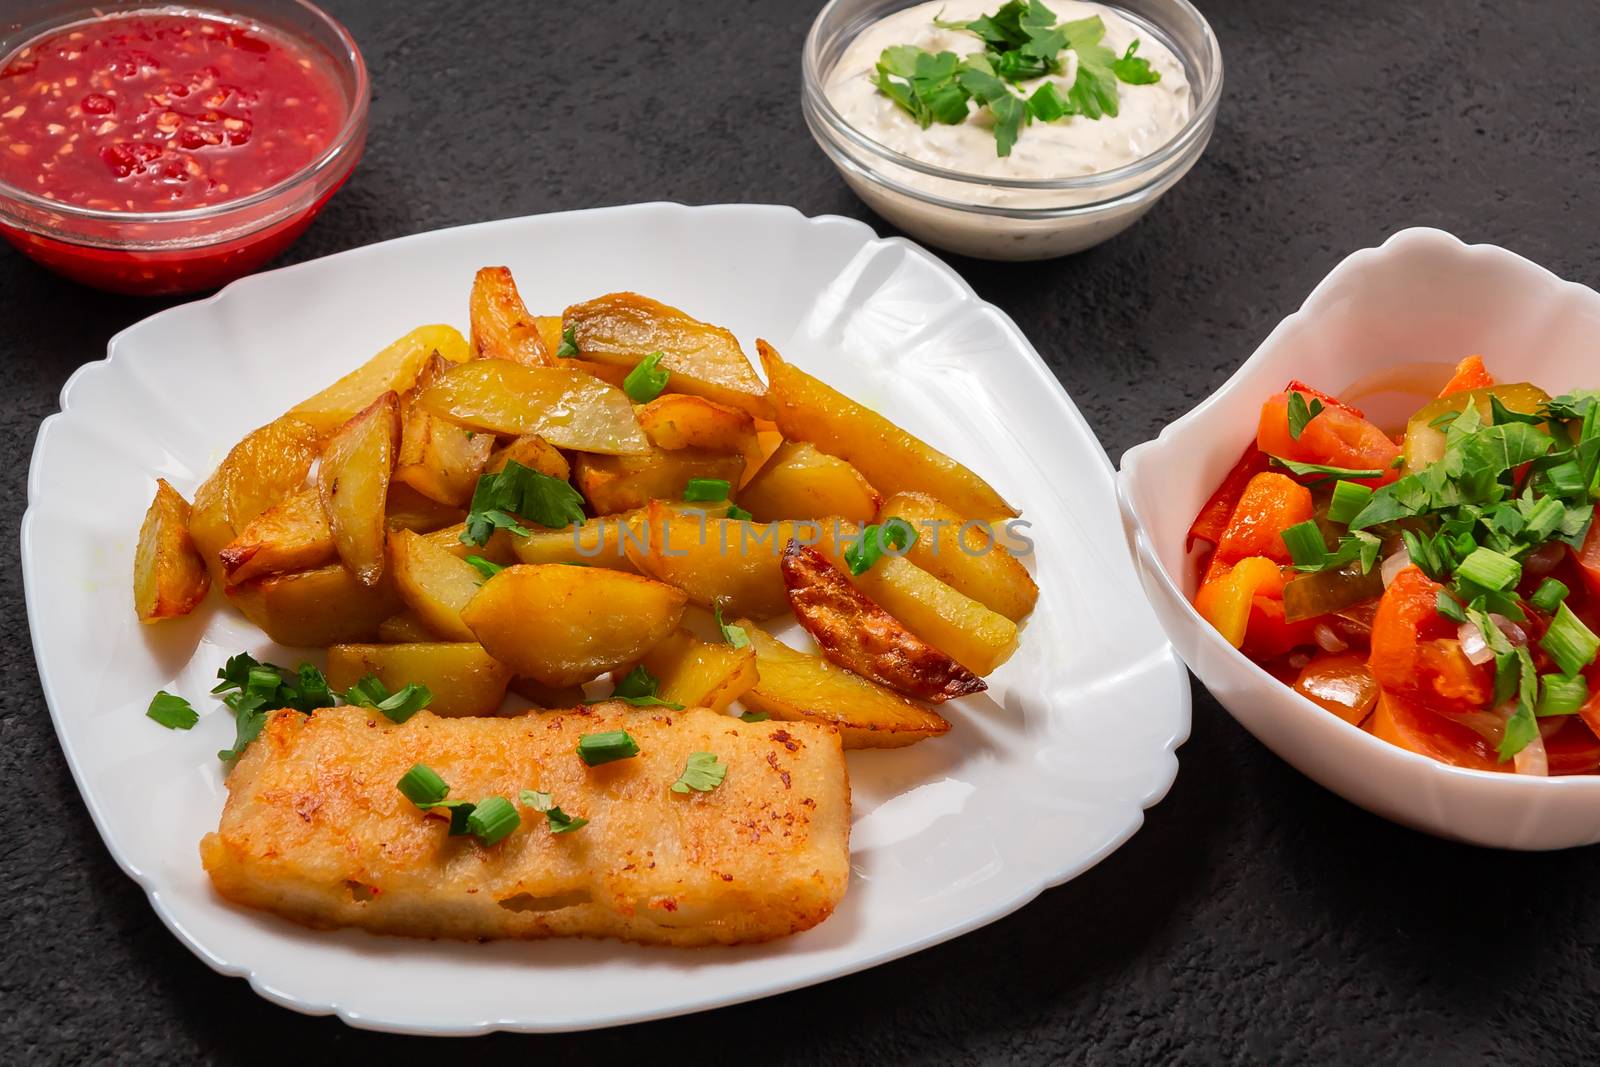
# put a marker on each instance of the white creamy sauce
(1148, 115)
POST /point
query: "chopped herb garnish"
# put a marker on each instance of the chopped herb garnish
(370, 692)
(639, 687)
(595, 749)
(559, 821)
(1569, 642)
(646, 380)
(739, 514)
(703, 489)
(170, 711)
(493, 819)
(755, 716)
(251, 689)
(1348, 500)
(519, 492)
(1296, 467)
(424, 788)
(1449, 607)
(568, 348)
(1300, 413)
(893, 537)
(485, 567)
(702, 773)
(1560, 695)
(734, 635)
(1549, 595)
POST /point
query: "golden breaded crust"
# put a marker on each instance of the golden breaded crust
(316, 831)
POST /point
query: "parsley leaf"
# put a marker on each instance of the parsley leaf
(1134, 70)
(638, 688)
(1301, 413)
(559, 821)
(519, 491)
(251, 689)
(702, 772)
(487, 568)
(734, 635)
(170, 711)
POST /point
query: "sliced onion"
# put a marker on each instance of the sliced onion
(1514, 633)
(1473, 644)
(1299, 661)
(1393, 566)
(1533, 759)
(1327, 640)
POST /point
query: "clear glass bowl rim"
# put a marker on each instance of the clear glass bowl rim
(349, 132)
(837, 129)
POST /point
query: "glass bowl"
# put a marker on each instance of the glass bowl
(1010, 219)
(168, 252)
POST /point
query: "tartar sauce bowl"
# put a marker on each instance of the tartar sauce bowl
(1010, 218)
(150, 253)
(1423, 296)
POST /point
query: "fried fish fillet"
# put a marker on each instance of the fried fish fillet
(316, 831)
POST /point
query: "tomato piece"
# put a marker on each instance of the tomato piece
(1573, 748)
(1342, 683)
(1470, 373)
(1212, 521)
(1269, 634)
(1270, 504)
(1415, 652)
(1336, 436)
(1588, 560)
(1408, 725)
(1297, 386)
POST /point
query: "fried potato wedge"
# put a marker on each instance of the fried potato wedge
(353, 479)
(699, 674)
(403, 629)
(410, 510)
(533, 452)
(294, 535)
(433, 582)
(463, 678)
(718, 561)
(596, 543)
(969, 633)
(798, 687)
(438, 458)
(891, 459)
(316, 608)
(564, 625)
(501, 325)
(568, 408)
(860, 636)
(263, 469)
(676, 420)
(169, 577)
(799, 482)
(613, 484)
(965, 555)
(620, 329)
(395, 368)
(314, 829)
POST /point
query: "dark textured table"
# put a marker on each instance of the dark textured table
(1255, 918)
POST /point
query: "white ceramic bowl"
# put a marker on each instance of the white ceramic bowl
(1422, 296)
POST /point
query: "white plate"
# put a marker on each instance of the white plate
(1030, 788)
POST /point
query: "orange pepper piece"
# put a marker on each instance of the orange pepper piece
(1225, 601)
(1271, 503)
(1470, 373)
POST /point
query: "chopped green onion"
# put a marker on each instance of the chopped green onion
(170, 711)
(1549, 595)
(1348, 500)
(1305, 544)
(595, 749)
(1544, 519)
(493, 819)
(1489, 569)
(1570, 643)
(754, 716)
(702, 773)
(896, 534)
(1450, 607)
(487, 568)
(370, 692)
(1560, 695)
(568, 349)
(646, 380)
(706, 489)
(422, 785)
(739, 514)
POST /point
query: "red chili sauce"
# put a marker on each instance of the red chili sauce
(162, 112)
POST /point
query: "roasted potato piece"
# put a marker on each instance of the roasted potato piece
(568, 408)
(438, 458)
(402, 629)
(434, 583)
(698, 674)
(501, 325)
(891, 459)
(313, 609)
(353, 479)
(463, 678)
(963, 555)
(395, 368)
(971, 634)
(612, 484)
(410, 510)
(799, 482)
(676, 421)
(496, 550)
(290, 536)
(169, 577)
(261, 470)
(533, 452)
(794, 685)
(620, 329)
(564, 625)
(718, 561)
(596, 543)
(860, 636)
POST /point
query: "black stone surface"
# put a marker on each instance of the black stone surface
(1256, 918)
